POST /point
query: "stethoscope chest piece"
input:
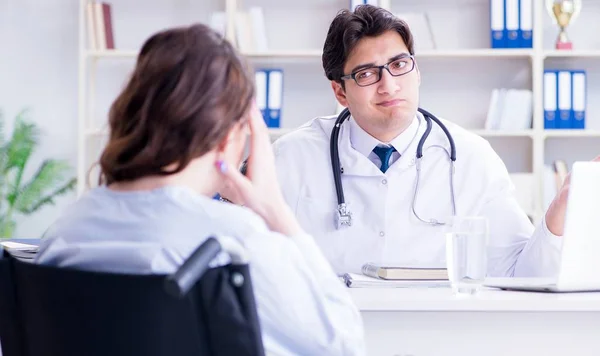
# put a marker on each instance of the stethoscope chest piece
(343, 217)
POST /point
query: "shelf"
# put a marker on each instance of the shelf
(572, 54)
(111, 54)
(285, 54)
(316, 53)
(475, 53)
(571, 133)
(501, 133)
(101, 132)
(459, 53)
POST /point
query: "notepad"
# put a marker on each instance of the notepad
(388, 272)
(21, 251)
(11, 245)
(353, 280)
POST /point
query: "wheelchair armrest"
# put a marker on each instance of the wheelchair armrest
(179, 283)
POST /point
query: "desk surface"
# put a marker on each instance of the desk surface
(488, 299)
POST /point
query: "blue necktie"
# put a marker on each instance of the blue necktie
(384, 154)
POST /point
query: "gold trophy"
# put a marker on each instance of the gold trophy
(563, 12)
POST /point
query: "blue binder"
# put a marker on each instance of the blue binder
(261, 77)
(565, 106)
(550, 99)
(274, 97)
(497, 22)
(526, 23)
(512, 26)
(579, 99)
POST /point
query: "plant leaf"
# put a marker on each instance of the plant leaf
(2, 138)
(49, 199)
(7, 228)
(50, 173)
(24, 138)
(3, 156)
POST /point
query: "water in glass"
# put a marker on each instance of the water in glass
(466, 253)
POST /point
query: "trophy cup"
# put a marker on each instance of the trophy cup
(563, 12)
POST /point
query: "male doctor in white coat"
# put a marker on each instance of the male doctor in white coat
(368, 55)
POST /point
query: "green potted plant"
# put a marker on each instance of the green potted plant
(26, 196)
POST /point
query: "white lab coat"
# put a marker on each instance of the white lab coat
(384, 228)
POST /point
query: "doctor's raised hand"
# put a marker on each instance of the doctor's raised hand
(380, 182)
(555, 215)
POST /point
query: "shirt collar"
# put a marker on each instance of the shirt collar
(364, 143)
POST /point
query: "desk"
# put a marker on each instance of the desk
(424, 322)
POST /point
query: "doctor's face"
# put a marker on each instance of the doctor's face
(384, 108)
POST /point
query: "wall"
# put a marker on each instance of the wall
(38, 70)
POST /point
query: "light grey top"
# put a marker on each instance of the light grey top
(302, 306)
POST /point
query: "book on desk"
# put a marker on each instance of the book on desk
(388, 276)
(20, 251)
(390, 272)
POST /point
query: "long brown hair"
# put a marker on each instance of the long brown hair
(188, 89)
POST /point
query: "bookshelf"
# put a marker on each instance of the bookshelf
(473, 53)
(457, 77)
(572, 54)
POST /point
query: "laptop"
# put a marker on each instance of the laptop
(579, 269)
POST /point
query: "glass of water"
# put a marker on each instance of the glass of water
(466, 255)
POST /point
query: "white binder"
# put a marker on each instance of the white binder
(579, 99)
(497, 23)
(512, 24)
(564, 100)
(526, 20)
(260, 79)
(259, 31)
(550, 99)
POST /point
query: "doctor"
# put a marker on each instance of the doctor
(369, 58)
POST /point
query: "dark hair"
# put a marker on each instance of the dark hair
(188, 89)
(348, 27)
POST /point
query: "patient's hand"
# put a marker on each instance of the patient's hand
(259, 190)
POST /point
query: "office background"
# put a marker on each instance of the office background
(48, 66)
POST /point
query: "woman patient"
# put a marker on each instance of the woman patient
(177, 134)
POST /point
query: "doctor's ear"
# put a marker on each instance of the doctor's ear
(340, 92)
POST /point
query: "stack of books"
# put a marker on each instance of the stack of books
(20, 251)
(99, 26)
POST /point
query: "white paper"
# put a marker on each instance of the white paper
(18, 246)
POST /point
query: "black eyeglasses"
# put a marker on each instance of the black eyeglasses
(372, 75)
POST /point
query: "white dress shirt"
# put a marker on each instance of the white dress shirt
(364, 143)
(303, 307)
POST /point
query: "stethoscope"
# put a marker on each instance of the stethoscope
(344, 215)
